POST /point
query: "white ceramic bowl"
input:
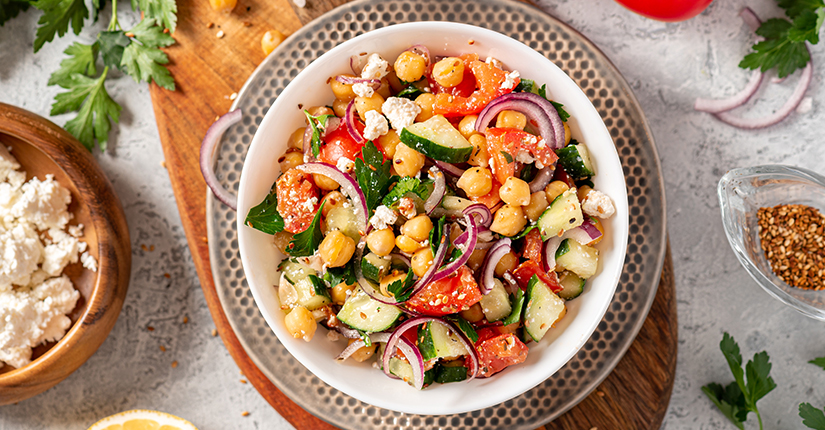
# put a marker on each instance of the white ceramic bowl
(362, 381)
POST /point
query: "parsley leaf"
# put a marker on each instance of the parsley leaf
(526, 86)
(316, 123)
(161, 11)
(89, 97)
(406, 185)
(112, 44)
(143, 61)
(373, 175)
(57, 14)
(402, 289)
(81, 60)
(318, 286)
(464, 326)
(436, 233)
(507, 156)
(305, 243)
(410, 92)
(11, 8)
(560, 109)
(819, 361)
(812, 417)
(804, 28)
(795, 7)
(517, 301)
(265, 216)
(345, 274)
(729, 400)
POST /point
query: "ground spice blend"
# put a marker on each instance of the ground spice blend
(793, 241)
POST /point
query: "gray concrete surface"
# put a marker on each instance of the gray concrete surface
(667, 64)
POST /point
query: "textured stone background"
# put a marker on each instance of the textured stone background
(667, 64)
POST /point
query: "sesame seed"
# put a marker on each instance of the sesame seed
(792, 238)
(245, 413)
(220, 34)
(174, 364)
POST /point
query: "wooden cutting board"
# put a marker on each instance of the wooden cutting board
(208, 69)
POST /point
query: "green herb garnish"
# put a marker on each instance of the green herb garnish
(373, 175)
(402, 289)
(316, 123)
(265, 216)
(305, 243)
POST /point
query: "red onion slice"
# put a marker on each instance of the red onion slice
(450, 169)
(349, 80)
(413, 357)
(542, 178)
(481, 213)
(358, 344)
(357, 62)
(734, 101)
(585, 233)
(348, 186)
(208, 155)
(488, 267)
(349, 120)
(537, 109)
(550, 248)
(751, 19)
(469, 245)
(438, 259)
(440, 187)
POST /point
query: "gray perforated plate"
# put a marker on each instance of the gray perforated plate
(611, 96)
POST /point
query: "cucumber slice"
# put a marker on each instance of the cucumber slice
(375, 267)
(309, 291)
(436, 341)
(580, 259)
(403, 369)
(544, 308)
(572, 285)
(363, 313)
(563, 214)
(451, 371)
(344, 219)
(496, 304)
(437, 139)
(575, 159)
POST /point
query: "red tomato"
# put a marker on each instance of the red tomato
(504, 144)
(296, 192)
(526, 270)
(447, 296)
(666, 10)
(532, 246)
(338, 143)
(497, 351)
(488, 80)
(464, 89)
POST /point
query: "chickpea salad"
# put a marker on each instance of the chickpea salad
(437, 215)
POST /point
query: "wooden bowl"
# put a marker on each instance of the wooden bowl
(43, 148)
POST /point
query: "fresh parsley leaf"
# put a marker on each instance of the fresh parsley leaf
(265, 216)
(464, 326)
(406, 185)
(812, 417)
(410, 92)
(804, 28)
(455, 254)
(436, 233)
(759, 381)
(560, 109)
(373, 175)
(81, 60)
(112, 44)
(729, 400)
(819, 361)
(784, 45)
(316, 123)
(524, 232)
(89, 97)
(161, 11)
(305, 243)
(528, 172)
(402, 289)
(507, 156)
(517, 300)
(366, 338)
(795, 7)
(526, 86)
(11, 8)
(143, 61)
(318, 286)
(820, 18)
(97, 6)
(345, 274)
(57, 15)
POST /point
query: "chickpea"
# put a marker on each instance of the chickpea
(511, 119)
(554, 189)
(474, 314)
(300, 323)
(449, 72)
(342, 91)
(318, 111)
(476, 182)
(290, 159)
(407, 161)
(333, 199)
(388, 142)
(324, 182)
(407, 244)
(366, 104)
(223, 6)
(296, 139)
(476, 259)
(479, 157)
(281, 240)
(340, 107)
(509, 220)
(421, 261)
(384, 89)
(582, 192)
(336, 249)
(341, 292)
(271, 40)
(515, 192)
(389, 279)
(567, 135)
(425, 101)
(410, 66)
(381, 242)
(363, 353)
(467, 126)
(538, 203)
(418, 228)
(508, 263)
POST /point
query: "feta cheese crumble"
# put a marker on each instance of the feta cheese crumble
(376, 67)
(363, 89)
(376, 125)
(345, 165)
(383, 218)
(510, 80)
(598, 204)
(400, 111)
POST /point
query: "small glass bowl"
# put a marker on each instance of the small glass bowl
(741, 193)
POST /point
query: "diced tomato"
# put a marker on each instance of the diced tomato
(490, 199)
(504, 144)
(497, 351)
(297, 200)
(338, 143)
(412, 336)
(447, 296)
(463, 89)
(488, 80)
(531, 248)
(526, 270)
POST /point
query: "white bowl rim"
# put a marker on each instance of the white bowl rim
(429, 404)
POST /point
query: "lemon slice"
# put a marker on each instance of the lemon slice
(142, 419)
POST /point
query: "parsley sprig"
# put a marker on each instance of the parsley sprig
(305, 243)
(373, 175)
(784, 45)
(135, 51)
